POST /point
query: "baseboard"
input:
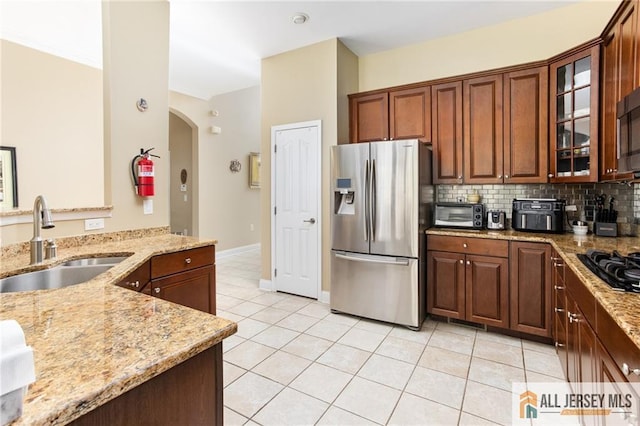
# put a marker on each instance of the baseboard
(324, 297)
(236, 250)
(266, 285)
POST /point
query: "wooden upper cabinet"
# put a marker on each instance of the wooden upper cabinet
(446, 128)
(369, 117)
(526, 141)
(397, 114)
(620, 76)
(410, 114)
(483, 129)
(573, 121)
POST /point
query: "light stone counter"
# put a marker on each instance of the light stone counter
(624, 308)
(95, 341)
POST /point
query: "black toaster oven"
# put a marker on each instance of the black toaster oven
(538, 214)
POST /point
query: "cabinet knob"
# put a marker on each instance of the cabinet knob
(627, 371)
(500, 176)
(157, 289)
(461, 261)
(506, 176)
(464, 245)
(558, 309)
(468, 262)
(135, 284)
(460, 177)
(558, 287)
(187, 260)
(550, 175)
(615, 170)
(559, 345)
(572, 317)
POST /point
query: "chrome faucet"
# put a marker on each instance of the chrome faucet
(41, 219)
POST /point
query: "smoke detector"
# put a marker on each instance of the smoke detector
(299, 18)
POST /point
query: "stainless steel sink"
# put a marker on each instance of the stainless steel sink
(95, 261)
(66, 274)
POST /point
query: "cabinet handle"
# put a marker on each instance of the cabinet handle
(157, 289)
(557, 265)
(187, 260)
(559, 345)
(572, 317)
(627, 371)
(615, 170)
(558, 309)
(550, 175)
(558, 287)
(464, 245)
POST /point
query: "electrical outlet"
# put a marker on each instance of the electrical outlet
(93, 224)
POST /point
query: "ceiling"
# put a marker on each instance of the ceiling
(216, 46)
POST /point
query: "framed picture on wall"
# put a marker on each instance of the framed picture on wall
(254, 170)
(8, 178)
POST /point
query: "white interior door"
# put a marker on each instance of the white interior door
(296, 191)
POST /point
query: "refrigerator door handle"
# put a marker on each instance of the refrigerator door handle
(366, 200)
(397, 261)
(372, 201)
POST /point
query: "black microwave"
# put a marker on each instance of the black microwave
(628, 113)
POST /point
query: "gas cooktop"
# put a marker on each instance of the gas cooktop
(620, 272)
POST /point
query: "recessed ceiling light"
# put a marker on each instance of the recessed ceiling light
(299, 18)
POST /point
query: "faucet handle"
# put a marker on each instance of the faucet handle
(51, 250)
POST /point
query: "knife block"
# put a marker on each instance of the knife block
(604, 229)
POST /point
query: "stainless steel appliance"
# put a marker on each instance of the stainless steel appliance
(495, 219)
(459, 215)
(628, 113)
(381, 197)
(538, 214)
(622, 273)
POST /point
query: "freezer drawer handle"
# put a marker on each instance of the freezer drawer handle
(401, 262)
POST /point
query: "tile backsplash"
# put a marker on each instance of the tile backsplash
(500, 197)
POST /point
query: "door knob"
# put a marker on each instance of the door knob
(311, 221)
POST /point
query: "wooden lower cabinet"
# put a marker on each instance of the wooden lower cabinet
(195, 289)
(487, 290)
(186, 277)
(465, 286)
(530, 288)
(188, 394)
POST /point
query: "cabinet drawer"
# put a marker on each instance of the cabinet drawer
(174, 263)
(468, 245)
(583, 297)
(621, 348)
(138, 278)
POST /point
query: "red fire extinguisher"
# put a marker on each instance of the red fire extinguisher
(142, 172)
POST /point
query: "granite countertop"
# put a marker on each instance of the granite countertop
(623, 307)
(94, 341)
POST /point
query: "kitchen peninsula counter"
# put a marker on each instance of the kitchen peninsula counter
(95, 341)
(622, 307)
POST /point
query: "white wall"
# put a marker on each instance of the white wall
(518, 41)
(225, 207)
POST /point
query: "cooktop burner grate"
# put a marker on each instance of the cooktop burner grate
(622, 273)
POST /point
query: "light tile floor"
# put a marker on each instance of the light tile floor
(293, 362)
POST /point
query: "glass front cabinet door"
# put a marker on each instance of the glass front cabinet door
(574, 117)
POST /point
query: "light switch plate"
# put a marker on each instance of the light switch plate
(147, 206)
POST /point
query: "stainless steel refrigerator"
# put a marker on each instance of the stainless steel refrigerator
(382, 197)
